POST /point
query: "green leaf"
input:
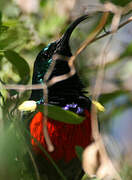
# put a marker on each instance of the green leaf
(20, 64)
(79, 151)
(127, 52)
(85, 177)
(0, 18)
(3, 28)
(6, 42)
(1, 56)
(106, 98)
(3, 92)
(57, 113)
(43, 3)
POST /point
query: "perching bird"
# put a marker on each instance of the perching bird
(67, 94)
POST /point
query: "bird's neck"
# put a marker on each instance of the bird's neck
(70, 87)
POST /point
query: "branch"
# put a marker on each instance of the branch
(110, 32)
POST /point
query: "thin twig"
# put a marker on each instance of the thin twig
(62, 77)
(94, 120)
(48, 141)
(97, 91)
(23, 87)
(34, 164)
(110, 32)
(45, 97)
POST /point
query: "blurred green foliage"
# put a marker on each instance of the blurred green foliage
(20, 64)
(117, 2)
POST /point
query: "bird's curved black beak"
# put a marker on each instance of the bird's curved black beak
(63, 43)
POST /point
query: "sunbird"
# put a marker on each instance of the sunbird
(67, 94)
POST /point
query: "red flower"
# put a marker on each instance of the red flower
(63, 136)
